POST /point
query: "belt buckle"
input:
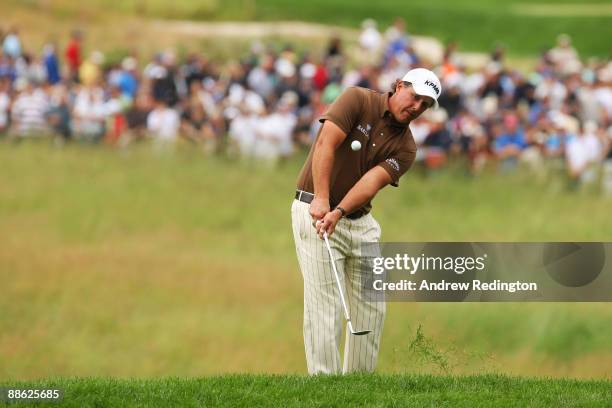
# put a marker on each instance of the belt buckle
(300, 196)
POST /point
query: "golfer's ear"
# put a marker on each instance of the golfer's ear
(331, 135)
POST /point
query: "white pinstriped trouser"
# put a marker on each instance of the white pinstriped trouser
(323, 316)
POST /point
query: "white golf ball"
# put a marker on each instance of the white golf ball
(356, 145)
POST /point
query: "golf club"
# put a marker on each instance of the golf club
(346, 312)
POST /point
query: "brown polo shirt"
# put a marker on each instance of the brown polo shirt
(363, 114)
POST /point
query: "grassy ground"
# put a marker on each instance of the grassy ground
(135, 264)
(354, 390)
(525, 28)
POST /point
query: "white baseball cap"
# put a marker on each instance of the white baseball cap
(425, 83)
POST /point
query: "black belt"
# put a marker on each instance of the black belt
(306, 197)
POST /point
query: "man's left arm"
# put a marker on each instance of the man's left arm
(386, 172)
(362, 192)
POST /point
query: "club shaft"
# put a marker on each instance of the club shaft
(333, 262)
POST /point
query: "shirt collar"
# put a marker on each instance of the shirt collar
(384, 105)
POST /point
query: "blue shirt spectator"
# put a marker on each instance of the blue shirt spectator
(128, 84)
(12, 44)
(506, 139)
(51, 65)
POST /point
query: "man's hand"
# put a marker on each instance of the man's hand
(318, 208)
(328, 223)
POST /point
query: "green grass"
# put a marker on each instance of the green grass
(476, 24)
(330, 391)
(136, 264)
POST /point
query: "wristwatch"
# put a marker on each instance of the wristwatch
(342, 211)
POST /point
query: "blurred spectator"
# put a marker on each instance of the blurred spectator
(583, 152)
(51, 64)
(163, 123)
(5, 104)
(89, 114)
(438, 141)
(334, 48)
(274, 133)
(398, 41)
(7, 67)
(165, 77)
(242, 131)
(606, 178)
(195, 70)
(195, 125)
(261, 79)
(564, 57)
(12, 44)
(29, 110)
(136, 119)
(59, 113)
(370, 40)
(90, 71)
(114, 106)
(509, 142)
(73, 55)
(32, 68)
(128, 78)
(267, 103)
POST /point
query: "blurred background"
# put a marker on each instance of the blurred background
(149, 152)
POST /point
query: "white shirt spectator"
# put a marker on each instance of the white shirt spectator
(28, 113)
(577, 155)
(604, 96)
(260, 81)
(33, 71)
(12, 45)
(163, 123)
(592, 144)
(89, 104)
(5, 102)
(590, 107)
(242, 132)
(420, 130)
(370, 38)
(89, 112)
(593, 147)
(554, 90)
(581, 152)
(275, 135)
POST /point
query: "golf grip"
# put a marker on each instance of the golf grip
(331, 258)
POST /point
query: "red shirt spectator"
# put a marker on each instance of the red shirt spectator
(73, 54)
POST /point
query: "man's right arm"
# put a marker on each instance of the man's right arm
(329, 140)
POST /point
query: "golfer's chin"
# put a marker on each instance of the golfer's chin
(404, 117)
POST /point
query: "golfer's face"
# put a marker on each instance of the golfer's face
(410, 105)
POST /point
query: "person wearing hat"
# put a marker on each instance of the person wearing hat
(363, 145)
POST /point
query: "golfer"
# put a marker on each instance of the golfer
(363, 145)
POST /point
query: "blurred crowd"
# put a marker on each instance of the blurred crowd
(266, 104)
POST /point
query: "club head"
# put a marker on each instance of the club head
(357, 333)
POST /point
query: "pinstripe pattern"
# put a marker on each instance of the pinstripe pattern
(323, 318)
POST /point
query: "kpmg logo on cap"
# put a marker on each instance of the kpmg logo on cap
(434, 86)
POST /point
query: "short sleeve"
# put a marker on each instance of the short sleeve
(398, 164)
(346, 110)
